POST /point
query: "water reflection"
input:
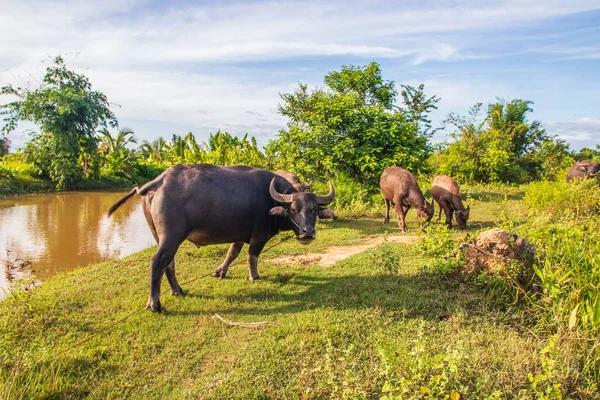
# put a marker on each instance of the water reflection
(59, 232)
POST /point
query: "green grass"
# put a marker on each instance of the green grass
(347, 331)
(18, 178)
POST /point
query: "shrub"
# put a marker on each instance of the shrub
(564, 201)
(385, 259)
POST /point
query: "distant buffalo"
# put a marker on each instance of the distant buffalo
(209, 204)
(401, 187)
(583, 169)
(294, 180)
(446, 193)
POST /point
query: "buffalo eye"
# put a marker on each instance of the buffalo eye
(292, 209)
(315, 211)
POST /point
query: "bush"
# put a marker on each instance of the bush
(385, 259)
(570, 277)
(564, 201)
(352, 199)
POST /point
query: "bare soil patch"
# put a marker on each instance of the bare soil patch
(338, 253)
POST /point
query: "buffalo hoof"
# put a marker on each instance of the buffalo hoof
(220, 274)
(178, 292)
(254, 278)
(386, 220)
(156, 308)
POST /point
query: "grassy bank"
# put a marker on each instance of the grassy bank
(19, 178)
(353, 330)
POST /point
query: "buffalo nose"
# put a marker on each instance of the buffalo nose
(308, 231)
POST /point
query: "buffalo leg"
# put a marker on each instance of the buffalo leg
(439, 216)
(449, 219)
(232, 254)
(401, 216)
(387, 211)
(170, 272)
(161, 260)
(253, 253)
(448, 212)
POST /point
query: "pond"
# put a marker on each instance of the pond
(62, 231)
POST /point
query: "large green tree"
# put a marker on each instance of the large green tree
(351, 127)
(502, 147)
(68, 112)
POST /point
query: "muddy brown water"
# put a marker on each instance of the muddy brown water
(62, 231)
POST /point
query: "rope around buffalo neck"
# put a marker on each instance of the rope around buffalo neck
(294, 222)
(108, 327)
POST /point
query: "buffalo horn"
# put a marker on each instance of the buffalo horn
(324, 200)
(279, 197)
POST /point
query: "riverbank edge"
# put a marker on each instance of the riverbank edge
(16, 187)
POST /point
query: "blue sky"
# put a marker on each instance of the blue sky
(203, 66)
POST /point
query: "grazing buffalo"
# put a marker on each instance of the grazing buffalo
(294, 180)
(401, 187)
(446, 193)
(583, 169)
(209, 204)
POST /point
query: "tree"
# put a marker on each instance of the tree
(4, 146)
(118, 143)
(552, 158)
(119, 159)
(155, 151)
(226, 149)
(588, 154)
(68, 112)
(503, 147)
(418, 107)
(177, 149)
(351, 127)
(510, 120)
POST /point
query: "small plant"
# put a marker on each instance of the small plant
(544, 384)
(437, 241)
(425, 375)
(385, 259)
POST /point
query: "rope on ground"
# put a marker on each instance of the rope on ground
(108, 327)
(252, 325)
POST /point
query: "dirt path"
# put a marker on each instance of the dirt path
(337, 253)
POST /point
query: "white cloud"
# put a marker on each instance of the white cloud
(182, 64)
(579, 130)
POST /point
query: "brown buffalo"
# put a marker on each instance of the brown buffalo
(401, 187)
(583, 169)
(294, 180)
(446, 193)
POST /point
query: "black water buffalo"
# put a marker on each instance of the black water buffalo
(583, 169)
(209, 204)
(446, 193)
(294, 180)
(401, 187)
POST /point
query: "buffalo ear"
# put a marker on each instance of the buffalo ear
(279, 211)
(582, 168)
(327, 214)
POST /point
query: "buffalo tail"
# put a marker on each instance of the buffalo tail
(122, 201)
